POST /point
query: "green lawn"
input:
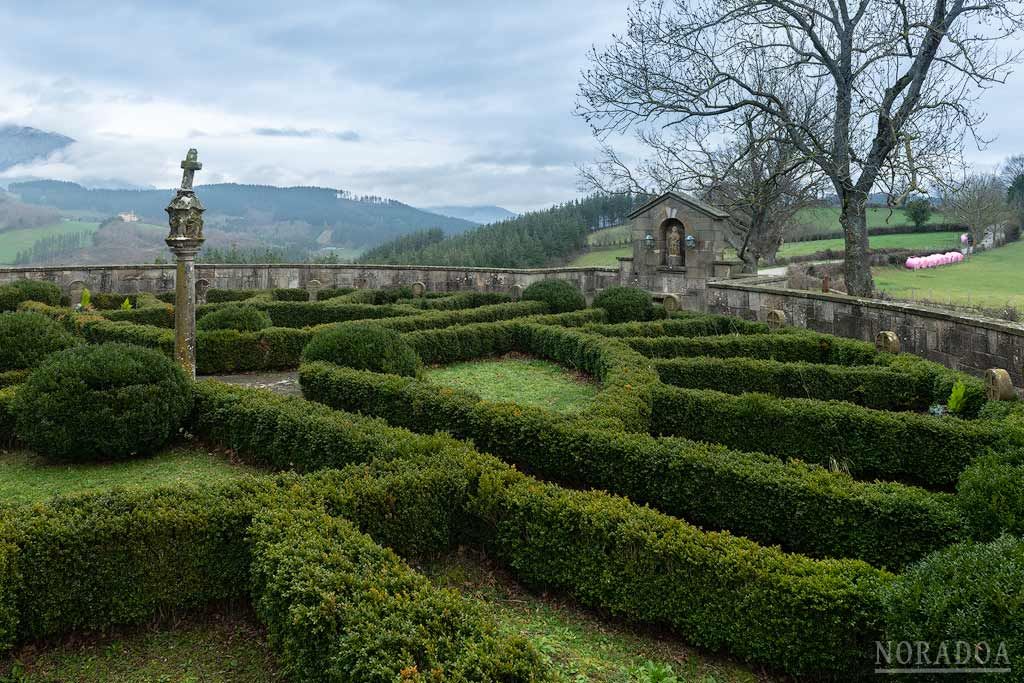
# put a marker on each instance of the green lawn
(26, 477)
(616, 233)
(13, 241)
(601, 257)
(221, 647)
(939, 241)
(580, 646)
(528, 382)
(825, 219)
(992, 278)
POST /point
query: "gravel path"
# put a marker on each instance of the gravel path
(285, 383)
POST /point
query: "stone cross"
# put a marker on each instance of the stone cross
(190, 165)
(185, 215)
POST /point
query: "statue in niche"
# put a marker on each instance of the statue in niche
(674, 242)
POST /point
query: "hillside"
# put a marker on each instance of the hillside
(535, 239)
(19, 144)
(313, 216)
(475, 214)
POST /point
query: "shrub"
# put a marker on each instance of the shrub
(241, 318)
(559, 295)
(28, 290)
(969, 593)
(214, 295)
(991, 495)
(102, 402)
(364, 347)
(27, 338)
(290, 295)
(886, 524)
(869, 443)
(335, 601)
(625, 304)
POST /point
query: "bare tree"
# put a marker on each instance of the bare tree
(891, 84)
(756, 175)
(980, 203)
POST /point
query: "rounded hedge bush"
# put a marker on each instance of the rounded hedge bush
(105, 402)
(364, 347)
(625, 304)
(990, 494)
(968, 593)
(241, 318)
(28, 290)
(27, 338)
(559, 295)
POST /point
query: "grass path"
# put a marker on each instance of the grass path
(992, 278)
(528, 382)
(26, 477)
(226, 646)
(580, 646)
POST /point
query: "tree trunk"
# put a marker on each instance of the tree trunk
(749, 262)
(857, 267)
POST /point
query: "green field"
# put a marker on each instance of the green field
(992, 278)
(615, 233)
(601, 257)
(939, 241)
(13, 241)
(528, 382)
(27, 478)
(825, 219)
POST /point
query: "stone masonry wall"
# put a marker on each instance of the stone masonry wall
(963, 342)
(160, 278)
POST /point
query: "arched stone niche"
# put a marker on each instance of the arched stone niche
(673, 236)
(418, 289)
(313, 288)
(75, 292)
(202, 287)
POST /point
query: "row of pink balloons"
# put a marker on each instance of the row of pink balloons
(918, 262)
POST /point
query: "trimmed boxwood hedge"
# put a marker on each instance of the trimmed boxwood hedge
(801, 507)
(559, 296)
(12, 294)
(110, 401)
(161, 315)
(692, 325)
(873, 386)
(626, 377)
(7, 419)
(235, 317)
(27, 338)
(962, 596)
(364, 347)
(871, 444)
(340, 607)
(625, 304)
(719, 591)
(991, 495)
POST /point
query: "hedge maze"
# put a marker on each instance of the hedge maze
(787, 498)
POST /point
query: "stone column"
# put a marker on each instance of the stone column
(185, 214)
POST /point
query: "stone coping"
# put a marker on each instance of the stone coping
(307, 266)
(764, 287)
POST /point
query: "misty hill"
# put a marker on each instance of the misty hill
(312, 214)
(20, 144)
(533, 240)
(475, 214)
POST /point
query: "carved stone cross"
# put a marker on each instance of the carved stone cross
(191, 164)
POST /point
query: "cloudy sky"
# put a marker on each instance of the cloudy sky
(454, 101)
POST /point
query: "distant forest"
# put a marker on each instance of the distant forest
(533, 240)
(352, 221)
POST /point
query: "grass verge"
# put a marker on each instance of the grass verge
(580, 646)
(223, 646)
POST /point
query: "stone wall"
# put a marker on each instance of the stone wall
(160, 278)
(964, 342)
